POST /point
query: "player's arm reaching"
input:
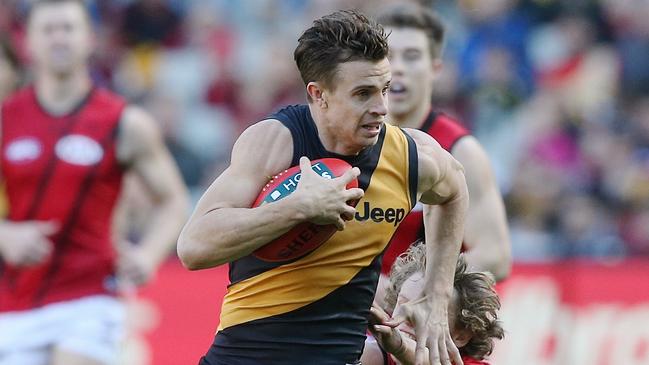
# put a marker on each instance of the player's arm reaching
(140, 147)
(486, 234)
(223, 227)
(441, 183)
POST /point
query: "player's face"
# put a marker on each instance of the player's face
(413, 70)
(357, 106)
(412, 290)
(59, 37)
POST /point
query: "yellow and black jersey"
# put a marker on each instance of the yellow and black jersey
(313, 310)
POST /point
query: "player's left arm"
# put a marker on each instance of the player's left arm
(441, 184)
(486, 234)
(141, 147)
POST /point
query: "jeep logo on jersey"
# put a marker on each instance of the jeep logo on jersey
(379, 215)
(23, 150)
(79, 150)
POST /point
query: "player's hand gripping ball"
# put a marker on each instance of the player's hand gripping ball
(304, 237)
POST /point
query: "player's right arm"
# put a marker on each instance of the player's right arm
(224, 228)
(25, 243)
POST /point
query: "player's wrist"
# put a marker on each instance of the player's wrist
(300, 209)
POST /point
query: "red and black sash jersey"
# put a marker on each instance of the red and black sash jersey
(62, 169)
(447, 132)
(314, 309)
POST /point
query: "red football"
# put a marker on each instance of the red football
(304, 237)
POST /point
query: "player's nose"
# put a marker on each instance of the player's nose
(380, 107)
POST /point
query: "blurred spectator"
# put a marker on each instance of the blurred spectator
(150, 22)
(496, 30)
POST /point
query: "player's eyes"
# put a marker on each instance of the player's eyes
(412, 56)
(363, 93)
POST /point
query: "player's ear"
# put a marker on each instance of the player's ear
(461, 337)
(317, 93)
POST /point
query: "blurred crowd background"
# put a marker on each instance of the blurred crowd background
(556, 90)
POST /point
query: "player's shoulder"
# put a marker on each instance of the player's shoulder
(266, 133)
(19, 97)
(265, 146)
(422, 139)
(292, 111)
(138, 133)
(433, 160)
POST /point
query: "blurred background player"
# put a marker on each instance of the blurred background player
(314, 309)
(66, 145)
(416, 41)
(473, 313)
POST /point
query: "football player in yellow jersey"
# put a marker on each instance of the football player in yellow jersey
(314, 310)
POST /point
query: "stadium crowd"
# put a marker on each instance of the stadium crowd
(557, 91)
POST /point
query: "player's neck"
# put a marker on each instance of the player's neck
(413, 119)
(59, 95)
(331, 144)
(339, 148)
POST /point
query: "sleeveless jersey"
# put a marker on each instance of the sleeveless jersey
(313, 310)
(447, 132)
(61, 169)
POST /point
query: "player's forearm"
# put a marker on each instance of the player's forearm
(226, 234)
(487, 236)
(444, 228)
(162, 233)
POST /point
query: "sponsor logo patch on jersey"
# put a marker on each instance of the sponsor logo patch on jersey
(289, 183)
(378, 214)
(79, 150)
(23, 150)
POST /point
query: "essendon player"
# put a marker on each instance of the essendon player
(472, 313)
(415, 42)
(65, 146)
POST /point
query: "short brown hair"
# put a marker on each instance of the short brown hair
(410, 15)
(477, 302)
(38, 3)
(342, 36)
